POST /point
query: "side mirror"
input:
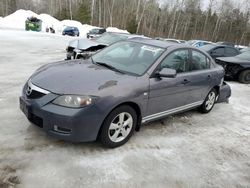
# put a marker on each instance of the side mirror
(167, 73)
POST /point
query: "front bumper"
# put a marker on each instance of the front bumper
(70, 55)
(75, 125)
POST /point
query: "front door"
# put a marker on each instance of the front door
(170, 94)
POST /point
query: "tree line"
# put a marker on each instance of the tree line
(219, 20)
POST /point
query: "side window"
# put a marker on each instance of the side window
(199, 61)
(198, 44)
(231, 52)
(218, 51)
(177, 60)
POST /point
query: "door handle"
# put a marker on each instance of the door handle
(209, 76)
(185, 81)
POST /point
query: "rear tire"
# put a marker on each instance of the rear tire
(244, 77)
(118, 127)
(209, 102)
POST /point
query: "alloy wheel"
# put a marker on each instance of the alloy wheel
(210, 100)
(120, 127)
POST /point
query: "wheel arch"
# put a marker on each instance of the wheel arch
(241, 70)
(217, 88)
(134, 105)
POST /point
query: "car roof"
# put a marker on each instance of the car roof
(158, 43)
(220, 45)
(116, 33)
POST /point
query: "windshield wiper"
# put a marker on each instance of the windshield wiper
(109, 67)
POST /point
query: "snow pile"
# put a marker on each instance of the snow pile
(71, 23)
(17, 19)
(116, 30)
(50, 21)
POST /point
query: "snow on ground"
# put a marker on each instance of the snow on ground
(50, 21)
(185, 150)
(18, 18)
(114, 29)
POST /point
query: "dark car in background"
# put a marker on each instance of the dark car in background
(225, 43)
(109, 95)
(84, 48)
(216, 50)
(94, 33)
(71, 31)
(236, 68)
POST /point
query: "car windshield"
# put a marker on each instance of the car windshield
(69, 28)
(94, 31)
(207, 47)
(109, 38)
(128, 57)
(245, 56)
(245, 49)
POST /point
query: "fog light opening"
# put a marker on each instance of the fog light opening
(61, 129)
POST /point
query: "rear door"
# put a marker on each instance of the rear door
(200, 78)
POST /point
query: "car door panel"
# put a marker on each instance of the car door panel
(170, 93)
(167, 93)
(200, 83)
(200, 77)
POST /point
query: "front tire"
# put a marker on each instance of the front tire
(209, 102)
(118, 127)
(244, 77)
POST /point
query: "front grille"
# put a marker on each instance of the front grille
(35, 94)
(36, 120)
(70, 49)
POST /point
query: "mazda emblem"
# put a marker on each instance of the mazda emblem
(29, 90)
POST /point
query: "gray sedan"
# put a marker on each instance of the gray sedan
(121, 87)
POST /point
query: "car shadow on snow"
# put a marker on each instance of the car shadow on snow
(35, 139)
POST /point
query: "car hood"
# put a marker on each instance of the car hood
(80, 77)
(84, 44)
(234, 60)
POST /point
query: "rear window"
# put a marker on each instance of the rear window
(231, 52)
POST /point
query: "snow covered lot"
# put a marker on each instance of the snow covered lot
(186, 150)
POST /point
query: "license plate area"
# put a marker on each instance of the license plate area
(25, 107)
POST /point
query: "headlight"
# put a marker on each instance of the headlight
(74, 101)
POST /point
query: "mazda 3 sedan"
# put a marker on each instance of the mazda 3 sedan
(108, 96)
